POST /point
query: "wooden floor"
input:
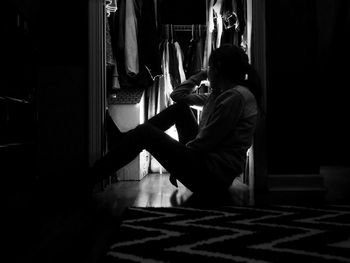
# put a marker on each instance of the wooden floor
(45, 232)
(154, 190)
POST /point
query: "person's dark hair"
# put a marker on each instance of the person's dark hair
(232, 63)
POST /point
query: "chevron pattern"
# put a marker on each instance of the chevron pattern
(233, 233)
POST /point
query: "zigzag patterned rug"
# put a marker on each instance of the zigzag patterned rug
(233, 234)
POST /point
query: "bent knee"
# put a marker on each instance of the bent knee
(182, 106)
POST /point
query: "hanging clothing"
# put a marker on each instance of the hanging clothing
(111, 64)
(135, 37)
(173, 64)
(188, 57)
(152, 98)
(117, 32)
(218, 23)
(209, 35)
(198, 61)
(179, 56)
(131, 54)
(242, 20)
(228, 22)
(148, 38)
(194, 56)
(109, 51)
(115, 77)
(234, 22)
(165, 82)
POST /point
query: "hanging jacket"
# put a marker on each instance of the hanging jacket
(131, 54)
(194, 55)
(135, 37)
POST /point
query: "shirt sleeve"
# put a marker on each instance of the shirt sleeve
(221, 122)
(185, 91)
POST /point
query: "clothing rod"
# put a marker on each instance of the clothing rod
(186, 27)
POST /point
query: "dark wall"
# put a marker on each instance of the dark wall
(292, 94)
(18, 50)
(307, 84)
(333, 17)
(18, 54)
(182, 12)
(62, 33)
(47, 60)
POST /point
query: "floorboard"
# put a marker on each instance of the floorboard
(154, 190)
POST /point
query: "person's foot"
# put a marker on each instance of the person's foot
(239, 192)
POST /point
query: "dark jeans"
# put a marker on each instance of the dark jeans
(183, 163)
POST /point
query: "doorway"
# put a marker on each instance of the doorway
(257, 177)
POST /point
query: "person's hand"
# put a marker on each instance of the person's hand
(203, 74)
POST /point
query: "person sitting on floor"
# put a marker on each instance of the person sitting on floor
(208, 156)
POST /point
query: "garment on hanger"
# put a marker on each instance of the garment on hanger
(194, 54)
(148, 38)
(228, 22)
(152, 98)
(111, 64)
(233, 21)
(209, 45)
(179, 56)
(135, 38)
(117, 30)
(218, 23)
(165, 86)
(131, 54)
(173, 64)
(109, 51)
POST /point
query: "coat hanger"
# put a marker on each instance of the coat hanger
(111, 6)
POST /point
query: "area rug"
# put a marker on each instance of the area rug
(233, 234)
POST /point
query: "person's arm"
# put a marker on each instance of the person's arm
(185, 91)
(222, 121)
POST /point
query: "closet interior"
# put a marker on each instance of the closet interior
(151, 46)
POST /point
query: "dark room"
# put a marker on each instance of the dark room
(175, 130)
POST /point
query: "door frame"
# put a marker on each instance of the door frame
(97, 80)
(259, 175)
(97, 85)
